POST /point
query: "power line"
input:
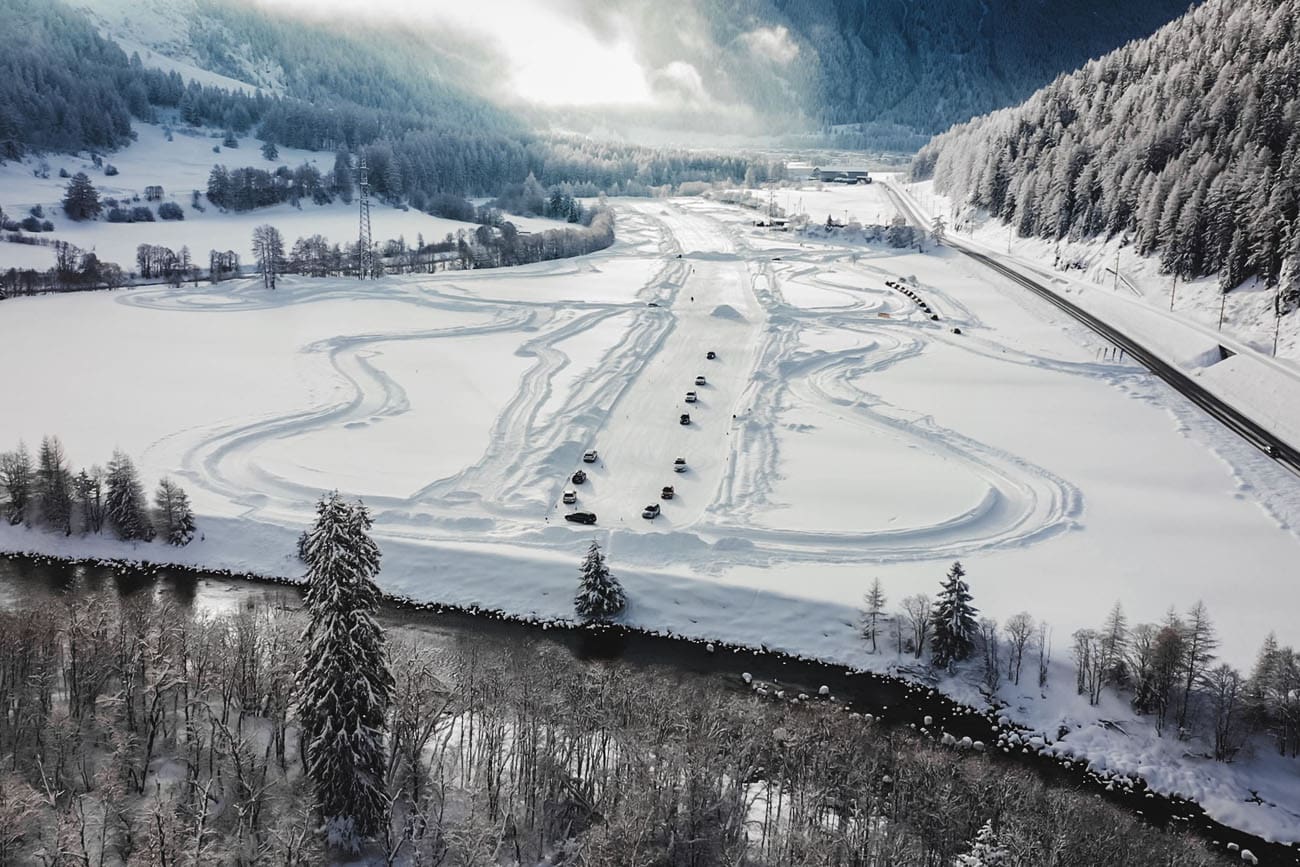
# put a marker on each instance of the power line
(365, 244)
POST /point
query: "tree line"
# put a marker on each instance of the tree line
(1167, 671)
(486, 247)
(140, 732)
(45, 492)
(74, 270)
(1187, 144)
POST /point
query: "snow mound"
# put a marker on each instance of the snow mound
(726, 311)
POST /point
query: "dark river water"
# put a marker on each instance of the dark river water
(694, 664)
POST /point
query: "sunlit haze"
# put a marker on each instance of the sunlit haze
(552, 58)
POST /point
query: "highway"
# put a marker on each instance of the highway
(1231, 417)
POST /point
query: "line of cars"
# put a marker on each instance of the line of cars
(653, 510)
(668, 492)
(920, 302)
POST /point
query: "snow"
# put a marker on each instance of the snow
(181, 166)
(830, 446)
(159, 31)
(1139, 303)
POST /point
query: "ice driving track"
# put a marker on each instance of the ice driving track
(720, 294)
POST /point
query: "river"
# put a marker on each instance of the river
(689, 664)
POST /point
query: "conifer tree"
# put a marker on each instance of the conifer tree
(875, 609)
(174, 515)
(54, 486)
(953, 620)
(89, 487)
(599, 596)
(16, 479)
(344, 685)
(81, 201)
(986, 851)
(124, 503)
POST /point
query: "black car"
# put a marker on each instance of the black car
(710, 355)
(581, 517)
(685, 419)
(579, 477)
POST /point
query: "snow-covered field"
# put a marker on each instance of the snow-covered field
(181, 166)
(1185, 310)
(841, 436)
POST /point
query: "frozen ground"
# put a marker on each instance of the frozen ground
(181, 166)
(841, 435)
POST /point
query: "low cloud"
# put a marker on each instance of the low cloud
(772, 44)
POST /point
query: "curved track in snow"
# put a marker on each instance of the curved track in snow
(713, 290)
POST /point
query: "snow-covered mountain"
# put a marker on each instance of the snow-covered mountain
(165, 34)
(1185, 145)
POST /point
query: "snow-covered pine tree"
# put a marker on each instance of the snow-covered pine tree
(174, 515)
(953, 620)
(344, 685)
(54, 486)
(873, 611)
(16, 479)
(81, 201)
(124, 504)
(599, 596)
(986, 851)
(89, 487)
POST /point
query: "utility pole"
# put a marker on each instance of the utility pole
(1172, 288)
(1223, 303)
(1117, 270)
(365, 245)
(1277, 318)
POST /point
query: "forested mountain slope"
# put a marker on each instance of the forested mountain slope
(1189, 142)
(69, 88)
(929, 65)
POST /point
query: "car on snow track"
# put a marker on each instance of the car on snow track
(589, 456)
(685, 418)
(581, 517)
(710, 355)
(679, 465)
(651, 511)
(691, 397)
(666, 493)
(579, 477)
(700, 380)
(570, 497)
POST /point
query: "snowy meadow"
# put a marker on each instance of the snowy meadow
(840, 434)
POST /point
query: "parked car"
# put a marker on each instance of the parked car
(666, 493)
(570, 496)
(690, 397)
(581, 517)
(685, 419)
(653, 304)
(589, 456)
(710, 355)
(579, 477)
(651, 511)
(700, 380)
(679, 465)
